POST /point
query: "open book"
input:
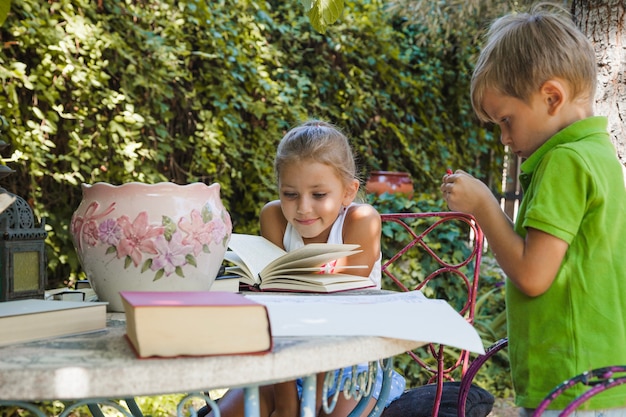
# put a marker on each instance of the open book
(264, 266)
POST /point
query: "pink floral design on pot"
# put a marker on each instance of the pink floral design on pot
(156, 237)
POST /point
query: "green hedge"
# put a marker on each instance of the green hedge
(163, 90)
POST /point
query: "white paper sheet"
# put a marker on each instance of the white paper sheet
(403, 315)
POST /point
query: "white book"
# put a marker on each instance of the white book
(28, 320)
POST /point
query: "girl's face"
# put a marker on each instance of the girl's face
(311, 197)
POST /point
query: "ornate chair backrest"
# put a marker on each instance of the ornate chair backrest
(437, 253)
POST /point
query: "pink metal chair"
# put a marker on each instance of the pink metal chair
(472, 370)
(421, 241)
(599, 380)
(420, 230)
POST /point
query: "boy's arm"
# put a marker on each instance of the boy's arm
(531, 263)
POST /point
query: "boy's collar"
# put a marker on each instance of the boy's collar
(572, 133)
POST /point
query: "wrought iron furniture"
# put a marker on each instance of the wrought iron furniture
(420, 240)
(472, 370)
(599, 380)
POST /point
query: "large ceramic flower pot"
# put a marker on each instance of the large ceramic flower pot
(150, 237)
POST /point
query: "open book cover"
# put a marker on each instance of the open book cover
(264, 266)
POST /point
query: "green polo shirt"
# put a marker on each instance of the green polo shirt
(574, 190)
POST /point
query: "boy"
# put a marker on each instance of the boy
(564, 257)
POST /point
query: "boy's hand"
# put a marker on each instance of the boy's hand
(465, 193)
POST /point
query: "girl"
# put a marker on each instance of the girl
(317, 182)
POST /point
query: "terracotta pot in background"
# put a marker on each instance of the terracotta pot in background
(392, 182)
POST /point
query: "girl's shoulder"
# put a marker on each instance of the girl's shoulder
(362, 212)
(273, 222)
(271, 206)
(272, 212)
(362, 224)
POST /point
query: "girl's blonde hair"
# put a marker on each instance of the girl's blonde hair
(524, 50)
(317, 141)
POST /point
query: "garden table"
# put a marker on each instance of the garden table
(96, 367)
(101, 365)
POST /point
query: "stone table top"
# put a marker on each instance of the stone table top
(103, 365)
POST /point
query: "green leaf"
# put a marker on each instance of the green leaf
(191, 260)
(207, 214)
(159, 275)
(323, 13)
(5, 7)
(170, 227)
(146, 265)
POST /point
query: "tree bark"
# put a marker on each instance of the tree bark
(604, 22)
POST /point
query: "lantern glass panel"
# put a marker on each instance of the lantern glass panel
(25, 271)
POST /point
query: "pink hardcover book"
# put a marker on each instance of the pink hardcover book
(195, 323)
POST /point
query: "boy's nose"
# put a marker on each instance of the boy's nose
(505, 139)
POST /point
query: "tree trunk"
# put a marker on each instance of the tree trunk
(604, 22)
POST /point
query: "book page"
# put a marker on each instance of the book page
(252, 251)
(240, 269)
(323, 283)
(313, 270)
(312, 264)
(313, 254)
(318, 279)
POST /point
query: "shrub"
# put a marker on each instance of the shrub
(186, 91)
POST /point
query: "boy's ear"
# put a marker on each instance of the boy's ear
(554, 95)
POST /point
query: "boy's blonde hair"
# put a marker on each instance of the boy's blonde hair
(317, 141)
(524, 50)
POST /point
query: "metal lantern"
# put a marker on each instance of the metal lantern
(22, 250)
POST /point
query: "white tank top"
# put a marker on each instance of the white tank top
(292, 240)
